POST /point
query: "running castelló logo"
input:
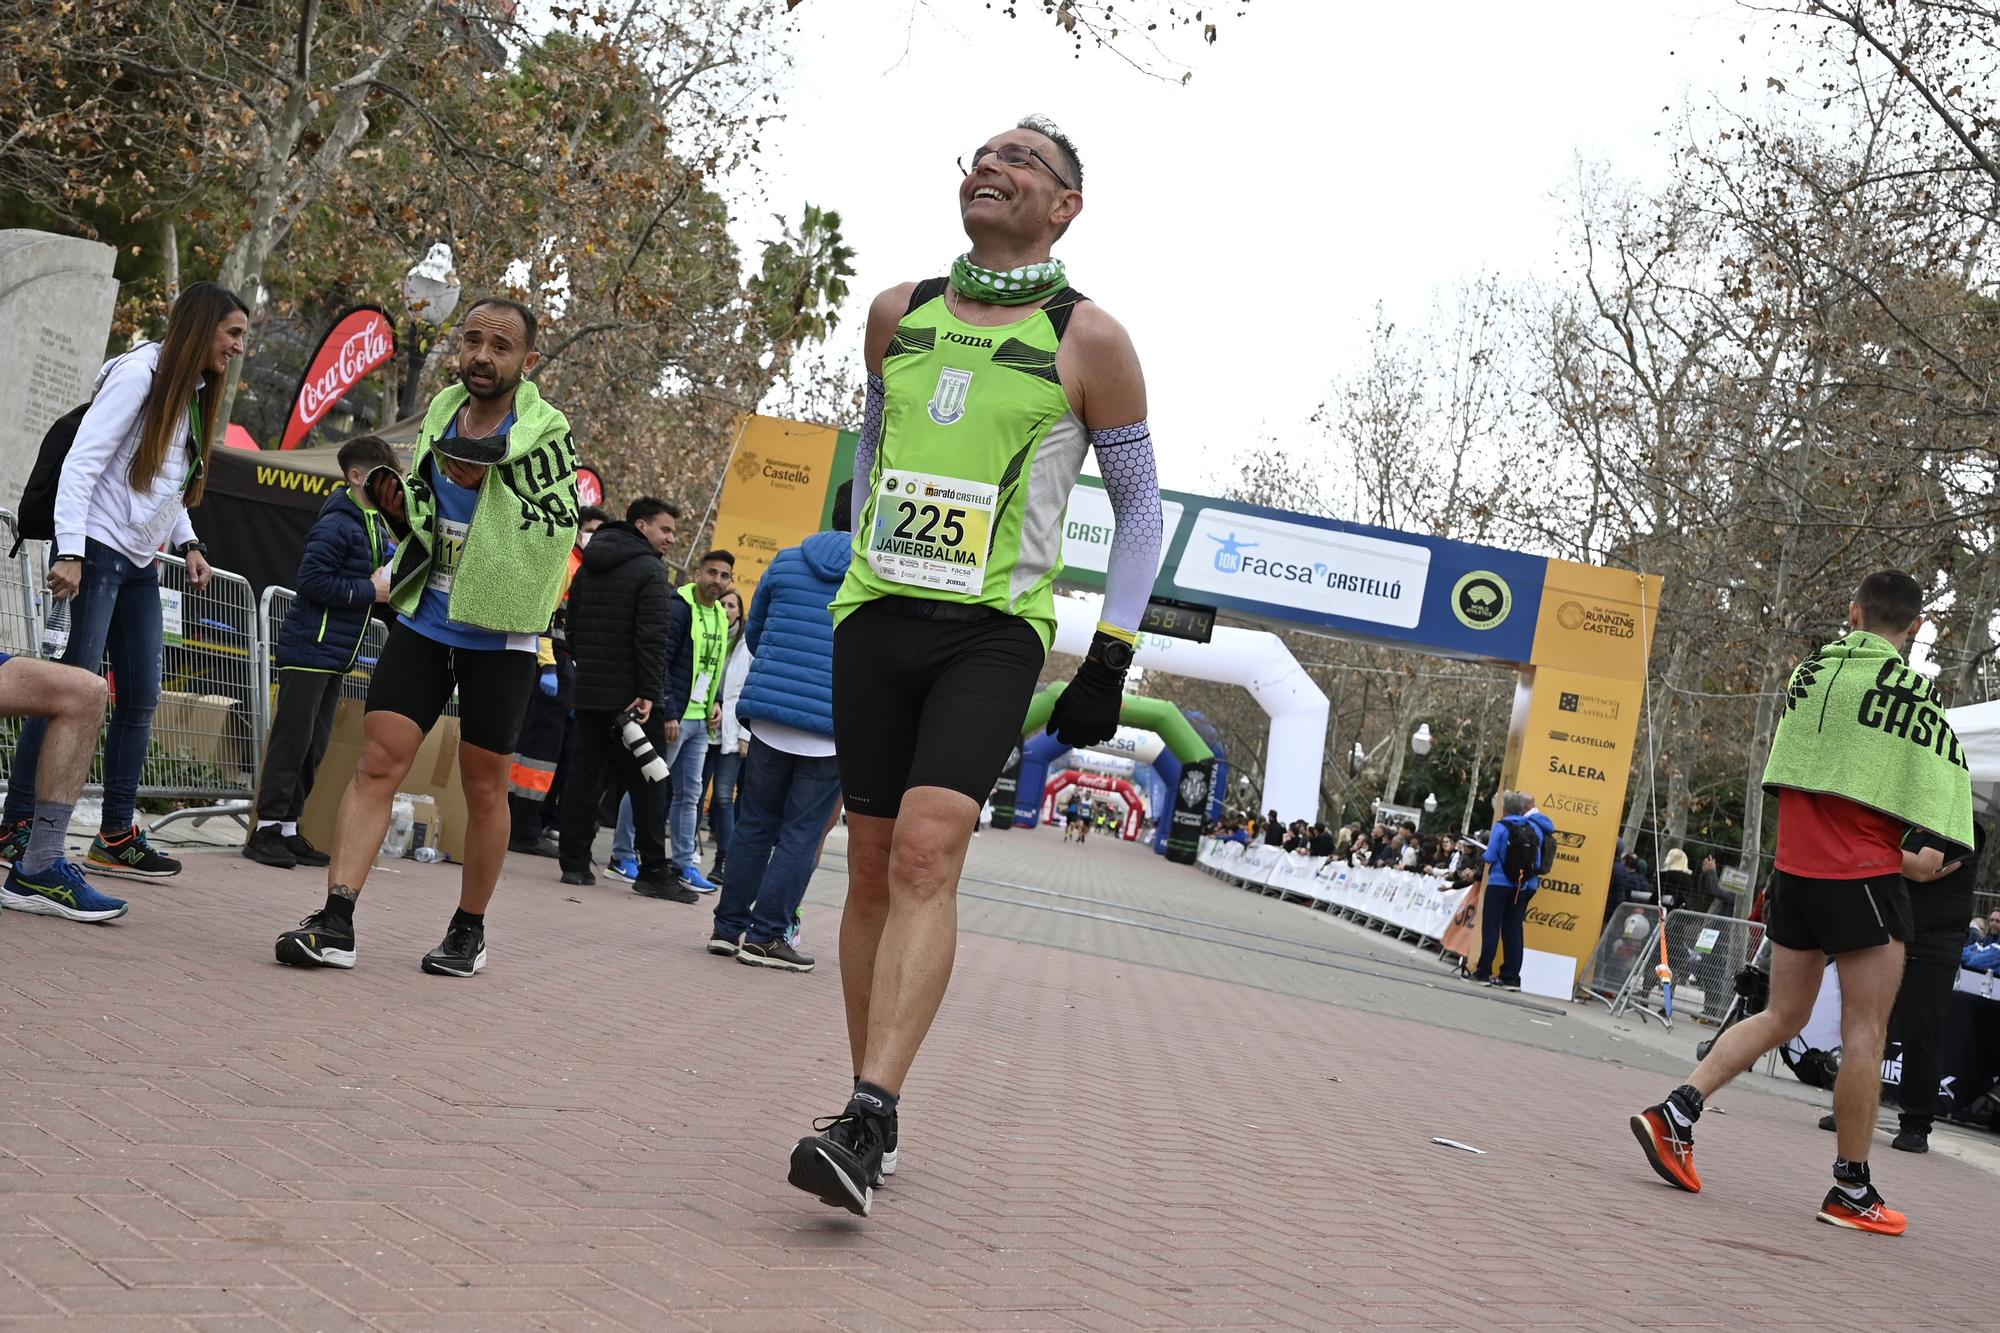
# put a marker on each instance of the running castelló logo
(948, 399)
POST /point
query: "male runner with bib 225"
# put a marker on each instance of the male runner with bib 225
(985, 389)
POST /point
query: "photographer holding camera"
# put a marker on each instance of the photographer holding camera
(619, 617)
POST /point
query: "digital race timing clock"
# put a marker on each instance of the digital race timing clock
(1178, 620)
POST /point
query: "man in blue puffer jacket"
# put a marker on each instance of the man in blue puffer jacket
(791, 781)
(343, 574)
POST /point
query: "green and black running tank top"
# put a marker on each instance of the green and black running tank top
(979, 452)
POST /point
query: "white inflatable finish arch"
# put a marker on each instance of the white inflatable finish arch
(1258, 661)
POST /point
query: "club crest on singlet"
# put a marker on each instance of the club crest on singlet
(948, 399)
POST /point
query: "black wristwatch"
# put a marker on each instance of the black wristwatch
(1114, 652)
(185, 547)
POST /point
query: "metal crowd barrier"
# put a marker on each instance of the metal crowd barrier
(208, 731)
(1399, 902)
(1628, 942)
(20, 594)
(276, 604)
(1705, 951)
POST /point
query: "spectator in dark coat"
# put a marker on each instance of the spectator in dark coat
(1677, 881)
(619, 627)
(343, 576)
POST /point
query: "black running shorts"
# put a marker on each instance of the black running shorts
(924, 701)
(416, 674)
(1836, 916)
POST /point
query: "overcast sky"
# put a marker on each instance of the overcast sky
(1324, 158)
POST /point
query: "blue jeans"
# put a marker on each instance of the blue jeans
(787, 801)
(116, 610)
(624, 838)
(686, 757)
(722, 811)
(1501, 918)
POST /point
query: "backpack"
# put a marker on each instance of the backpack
(1522, 859)
(35, 517)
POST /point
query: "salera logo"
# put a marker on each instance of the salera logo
(1481, 600)
(1575, 770)
(948, 399)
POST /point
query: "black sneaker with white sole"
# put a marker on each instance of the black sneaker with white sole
(840, 1164)
(888, 1150)
(462, 954)
(130, 856)
(774, 953)
(722, 944)
(322, 940)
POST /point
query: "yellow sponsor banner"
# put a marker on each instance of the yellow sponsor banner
(1575, 757)
(1597, 621)
(774, 494)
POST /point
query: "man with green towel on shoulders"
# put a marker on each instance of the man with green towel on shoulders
(490, 510)
(1862, 755)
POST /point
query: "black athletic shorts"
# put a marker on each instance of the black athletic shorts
(1837, 916)
(920, 700)
(416, 674)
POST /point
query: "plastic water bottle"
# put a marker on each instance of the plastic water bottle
(55, 629)
(428, 855)
(402, 824)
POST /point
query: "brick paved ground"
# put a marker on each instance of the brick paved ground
(1111, 1133)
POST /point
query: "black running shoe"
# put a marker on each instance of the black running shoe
(267, 848)
(322, 940)
(722, 944)
(669, 889)
(14, 841)
(578, 877)
(841, 1163)
(305, 852)
(461, 955)
(130, 856)
(888, 1151)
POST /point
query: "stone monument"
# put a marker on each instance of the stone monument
(56, 299)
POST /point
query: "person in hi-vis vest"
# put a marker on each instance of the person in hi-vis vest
(699, 633)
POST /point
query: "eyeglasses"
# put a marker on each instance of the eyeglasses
(1014, 155)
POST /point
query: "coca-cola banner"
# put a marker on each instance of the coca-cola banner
(358, 342)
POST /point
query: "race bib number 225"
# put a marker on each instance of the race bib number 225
(933, 532)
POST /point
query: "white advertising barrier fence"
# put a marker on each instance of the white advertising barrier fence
(1389, 899)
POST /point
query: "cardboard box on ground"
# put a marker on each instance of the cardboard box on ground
(208, 728)
(434, 775)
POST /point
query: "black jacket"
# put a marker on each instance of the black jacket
(324, 628)
(619, 618)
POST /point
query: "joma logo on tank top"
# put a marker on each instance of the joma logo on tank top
(948, 398)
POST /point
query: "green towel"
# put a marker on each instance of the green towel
(516, 556)
(1861, 725)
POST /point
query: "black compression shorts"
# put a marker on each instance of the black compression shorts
(921, 701)
(1837, 916)
(416, 675)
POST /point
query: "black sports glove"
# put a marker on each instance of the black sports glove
(1086, 713)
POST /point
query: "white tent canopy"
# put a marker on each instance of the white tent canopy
(1978, 728)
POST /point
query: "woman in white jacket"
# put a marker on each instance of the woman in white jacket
(139, 462)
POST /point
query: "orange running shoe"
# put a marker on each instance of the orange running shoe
(1868, 1213)
(1668, 1148)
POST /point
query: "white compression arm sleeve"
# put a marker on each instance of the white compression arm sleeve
(1132, 483)
(864, 448)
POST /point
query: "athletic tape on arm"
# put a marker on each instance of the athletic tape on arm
(1132, 483)
(864, 449)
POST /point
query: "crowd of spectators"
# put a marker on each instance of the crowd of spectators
(1400, 846)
